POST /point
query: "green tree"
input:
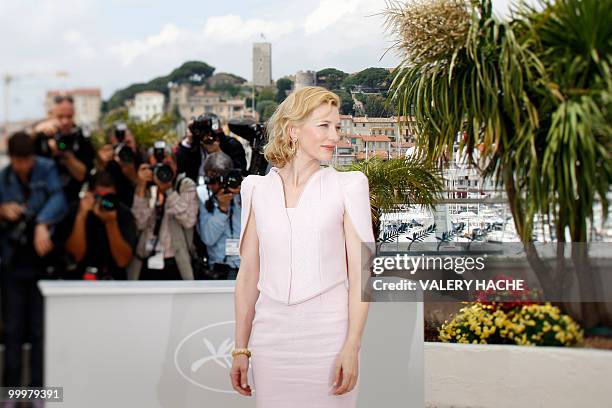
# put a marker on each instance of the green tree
(265, 109)
(115, 115)
(533, 95)
(145, 133)
(282, 86)
(194, 72)
(376, 106)
(360, 96)
(331, 78)
(399, 181)
(227, 88)
(268, 111)
(161, 128)
(346, 101)
(373, 78)
(265, 94)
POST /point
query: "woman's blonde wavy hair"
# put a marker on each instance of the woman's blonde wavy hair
(293, 111)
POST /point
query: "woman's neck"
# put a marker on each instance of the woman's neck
(298, 171)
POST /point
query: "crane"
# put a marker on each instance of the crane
(10, 78)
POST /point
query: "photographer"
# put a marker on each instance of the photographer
(101, 232)
(256, 135)
(205, 136)
(31, 203)
(220, 208)
(121, 158)
(58, 138)
(165, 247)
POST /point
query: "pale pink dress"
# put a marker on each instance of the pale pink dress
(295, 349)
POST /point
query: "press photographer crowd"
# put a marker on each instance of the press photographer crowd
(122, 212)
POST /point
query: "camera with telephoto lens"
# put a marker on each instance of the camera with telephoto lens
(204, 129)
(65, 142)
(255, 134)
(230, 179)
(161, 171)
(108, 202)
(121, 149)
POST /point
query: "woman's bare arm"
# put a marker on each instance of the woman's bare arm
(356, 262)
(347, 366)
(246, 293)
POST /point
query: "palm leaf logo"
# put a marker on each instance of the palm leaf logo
(221, 356)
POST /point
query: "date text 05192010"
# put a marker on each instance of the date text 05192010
(50, 394)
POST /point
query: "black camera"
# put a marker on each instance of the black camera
(161, 171)
(108, 202)
(121, 149)
(21, 231)
(230, 179)
(120, 129)
(255, 134)
(204, 129)
(66, 142)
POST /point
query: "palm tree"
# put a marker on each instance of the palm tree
(399, 181)
(533, 95)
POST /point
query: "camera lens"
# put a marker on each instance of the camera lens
(234, 179)
(108, 202)
(107, 205)
(125, 154)
(163, 173)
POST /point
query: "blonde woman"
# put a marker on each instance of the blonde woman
(299, 314)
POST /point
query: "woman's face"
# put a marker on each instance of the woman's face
(318, 136)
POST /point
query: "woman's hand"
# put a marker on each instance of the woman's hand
(238, 373)
(347, 369)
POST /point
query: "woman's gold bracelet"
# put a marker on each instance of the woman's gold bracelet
(244, 351)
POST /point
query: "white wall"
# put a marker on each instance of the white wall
(499, 376)
(167, 344)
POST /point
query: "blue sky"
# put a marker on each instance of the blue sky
(111, 44)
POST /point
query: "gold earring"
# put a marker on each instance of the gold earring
(293, 146)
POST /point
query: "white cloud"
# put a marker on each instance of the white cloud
(328, 13)
(129, 51)
(232, 28)
(80, 44)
